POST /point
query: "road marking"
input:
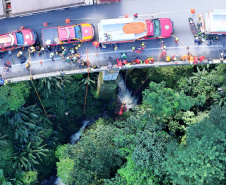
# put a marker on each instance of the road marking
(139, 15)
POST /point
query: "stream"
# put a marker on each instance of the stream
(124, 95)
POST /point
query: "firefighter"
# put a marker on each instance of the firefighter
(201, 58)
(174, 58)
(135, 15)
(96, 44)
(138, 60)
(150, 60)
(96, 66)
(84, 63)
(191, 59)
(196, 59)
(124, 62)
(19, 54)
(72, 50)
(32, 50)
(143, 45)
(119, 64)
(123, 56)
(28, 65)
(176, 40)
(115, 47)
(51, 55)
(133, 49)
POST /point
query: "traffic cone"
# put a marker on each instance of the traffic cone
(192, 10)
(67, 20)
(45, 24)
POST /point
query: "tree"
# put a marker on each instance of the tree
(91, 160)
(13, 96)
(48, 86)
(3, 180)
(142, 142)
(202, 158)
(23, 121)
(28, 155)
(166, 102)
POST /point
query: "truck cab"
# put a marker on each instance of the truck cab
(159, 28)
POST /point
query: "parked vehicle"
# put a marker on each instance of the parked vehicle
(17, 39)
(215, 22)
(131, 29)
(67, 34)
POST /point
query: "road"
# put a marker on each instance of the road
(178, 11)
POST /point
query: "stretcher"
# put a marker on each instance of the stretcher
(193, 27)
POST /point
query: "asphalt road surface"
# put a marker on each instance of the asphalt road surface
(178, 10)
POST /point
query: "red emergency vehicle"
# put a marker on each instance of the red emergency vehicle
(131, 29)
(17, 39)
(67, 34)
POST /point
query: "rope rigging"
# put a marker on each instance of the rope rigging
(142, 82)
(87, 80)
(31, 79)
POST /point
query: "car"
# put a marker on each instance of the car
(67, 34)
(17, 39)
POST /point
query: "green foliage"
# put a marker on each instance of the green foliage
(2, 179)
(6, 153)
(166, 102)
(46, 165)
(202, 159)
(13, 96)
(28, 155)
(142, 141)
(29, 177)
(93, 157)
(28, 124)
(168, 74)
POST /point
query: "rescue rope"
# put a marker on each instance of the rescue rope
(142, 83)
(87, 81)
(35, 88)
(39, 97)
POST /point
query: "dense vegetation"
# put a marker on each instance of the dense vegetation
(176, 135)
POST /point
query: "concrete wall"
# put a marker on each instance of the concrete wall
(23, 7)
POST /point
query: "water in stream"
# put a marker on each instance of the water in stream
(124, 95)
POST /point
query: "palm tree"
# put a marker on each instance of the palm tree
(200, 74)
(3, 143)
(23, 120)
(28, 155)
(47, 86)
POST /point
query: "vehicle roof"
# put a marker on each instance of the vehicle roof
(66, 32)
(114, 27)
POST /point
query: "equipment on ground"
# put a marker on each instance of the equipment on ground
(193, 27)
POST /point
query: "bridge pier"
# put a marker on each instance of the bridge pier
(107, 84)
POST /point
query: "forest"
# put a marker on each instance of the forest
(174, 135)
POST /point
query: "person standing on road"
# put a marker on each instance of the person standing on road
(19, 54)
(135, 15)
(51, 55)
(28, 65)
